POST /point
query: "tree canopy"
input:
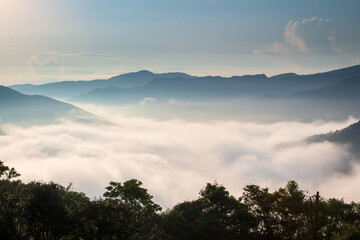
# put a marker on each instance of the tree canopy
(44, 211)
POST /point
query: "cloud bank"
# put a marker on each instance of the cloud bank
(174, 159)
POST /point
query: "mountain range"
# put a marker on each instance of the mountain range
(134, 87)
(215, 88)
(68, 89)
(332, 95)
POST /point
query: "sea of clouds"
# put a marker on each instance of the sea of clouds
(174, 159)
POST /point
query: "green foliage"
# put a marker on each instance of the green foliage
(262, 205)
(215, 215)
(131, 193)
(290, 208)
(10, 214)
(143, 211)
(47, 211)
(341, 217)
(44, 210)
(348, 232)
(288, 214)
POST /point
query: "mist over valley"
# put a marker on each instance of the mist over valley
(171, 126)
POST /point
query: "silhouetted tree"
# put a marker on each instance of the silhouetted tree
(6, 172)
(143, 210)
(215, 215)
(47, 211)
(262, 205)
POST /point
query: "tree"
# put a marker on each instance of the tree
(43, 210)
(9, 196)
(290, 206)
(102, 220)
(6, 172)
(262, 205)
(340, 218)
(132, 194)
(348, 232)
(215, 215)
(143, 210)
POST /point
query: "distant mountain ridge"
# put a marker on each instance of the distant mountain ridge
(212, 88)
(132, 88)
(67, 89)
(203, 88)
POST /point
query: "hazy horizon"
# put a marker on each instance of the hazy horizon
(225, 75)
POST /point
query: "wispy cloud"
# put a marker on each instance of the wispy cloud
(53, 62)
(43, 58)
(146, 100)
(276, 47)
(35, 61)
(81, 54)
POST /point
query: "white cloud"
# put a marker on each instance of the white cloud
(174, 159)
(304, 36)
(292, 39)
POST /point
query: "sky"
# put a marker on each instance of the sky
(45, 41)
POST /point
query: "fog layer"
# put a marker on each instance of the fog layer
(174, 159)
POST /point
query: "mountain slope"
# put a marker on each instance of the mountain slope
(28, 110)
(318, 79)
(349, 135)
(348, 89)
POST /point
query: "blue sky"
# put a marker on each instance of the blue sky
(44, 41)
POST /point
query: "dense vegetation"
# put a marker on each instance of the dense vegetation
(39, 210)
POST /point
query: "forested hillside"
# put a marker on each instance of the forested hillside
(349, 135)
